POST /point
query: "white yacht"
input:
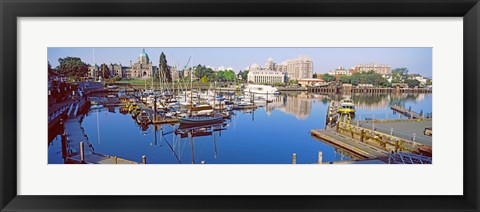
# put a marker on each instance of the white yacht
(260, 89)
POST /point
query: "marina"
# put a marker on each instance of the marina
(251, 134)
(279, 113)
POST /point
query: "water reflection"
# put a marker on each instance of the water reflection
(267, 135)
(299, 104)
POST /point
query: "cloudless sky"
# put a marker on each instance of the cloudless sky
(417, 60)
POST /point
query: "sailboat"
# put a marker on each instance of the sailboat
(196, 119)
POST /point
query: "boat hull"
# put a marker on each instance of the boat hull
(190, 121)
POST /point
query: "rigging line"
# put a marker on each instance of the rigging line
(98, 129)
(179, 145)
(182, 150)
(174, 153)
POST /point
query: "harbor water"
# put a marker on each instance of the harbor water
(267, 135)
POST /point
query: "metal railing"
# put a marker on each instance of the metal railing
(58, 112)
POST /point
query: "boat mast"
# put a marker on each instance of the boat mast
(94, 66)
(215, 142)
(160, 71)
(191, 89)
(192, 146)
(98, 128)
(151, 77)
(214, 96)
(173, 80)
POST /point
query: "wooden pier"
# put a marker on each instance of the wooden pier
(359, 149)
(406, 112)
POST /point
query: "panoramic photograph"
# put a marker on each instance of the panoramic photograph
(154, 105)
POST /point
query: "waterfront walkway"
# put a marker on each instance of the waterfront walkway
(405, 129)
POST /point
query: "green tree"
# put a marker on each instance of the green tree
(399, 75)
(229, 75)
(220, 76)
(164, 70)
(429, 82)
(72, 67)
(243, 75)
(201, 71)
(369, 77)
(328, 78)
(345, 79)
(412, 83)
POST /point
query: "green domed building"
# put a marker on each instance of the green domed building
(143, 68)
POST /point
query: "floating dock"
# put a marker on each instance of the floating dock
(379, 139)
(406, 112)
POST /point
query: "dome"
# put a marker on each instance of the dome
(143, 57)
(143, 54)
(255, 67)
(270, 59)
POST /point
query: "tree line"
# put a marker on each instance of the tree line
(75, 68)
(209, 75)
(398, 75)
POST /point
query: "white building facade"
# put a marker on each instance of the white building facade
(379, 69)
(340, 71)
(266, 77)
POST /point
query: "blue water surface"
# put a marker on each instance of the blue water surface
(267, 135)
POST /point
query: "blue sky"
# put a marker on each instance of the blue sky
(417, 60)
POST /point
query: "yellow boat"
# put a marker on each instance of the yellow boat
(346, 106)
(132, 107)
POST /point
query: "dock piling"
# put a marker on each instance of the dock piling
(294, 158)
(82, 152)
(115, 159)
(320, 157)
(144, 159)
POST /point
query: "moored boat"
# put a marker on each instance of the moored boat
(346, 106)
(197, 120)
(261, 89)
(144, 118)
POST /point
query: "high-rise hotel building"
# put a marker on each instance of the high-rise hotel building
(300, 68)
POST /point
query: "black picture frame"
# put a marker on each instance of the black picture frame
(11, 9)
